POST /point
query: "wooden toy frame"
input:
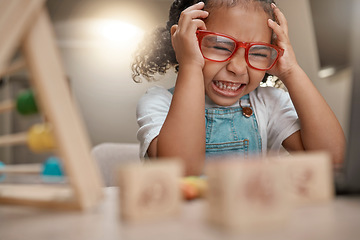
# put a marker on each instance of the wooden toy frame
(26, 24)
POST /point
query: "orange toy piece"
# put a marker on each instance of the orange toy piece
(193, 187)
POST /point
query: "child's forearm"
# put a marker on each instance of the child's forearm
(183, 132)
(320, 129)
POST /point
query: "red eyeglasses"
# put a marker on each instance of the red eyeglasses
(220, 48)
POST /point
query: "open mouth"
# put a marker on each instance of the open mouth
(227, 85)
(227, 88)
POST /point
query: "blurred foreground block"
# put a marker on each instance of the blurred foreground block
(151, 190)
(259, 193)
(310, 178)
(247, 195)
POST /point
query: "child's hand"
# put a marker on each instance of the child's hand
(183, 35)
(287, 62)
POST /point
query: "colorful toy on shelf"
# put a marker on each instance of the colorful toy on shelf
(25, 104)
(39, 138)
(2, 176)
(193, 187)
(50, 171)
(52, 167)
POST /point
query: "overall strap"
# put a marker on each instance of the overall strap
(171, 90)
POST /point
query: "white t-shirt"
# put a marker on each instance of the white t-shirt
(274, 112)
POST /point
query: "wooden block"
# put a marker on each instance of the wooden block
(310, 177)
(150, 191)
(246, 195)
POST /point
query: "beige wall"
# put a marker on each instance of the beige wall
(107, 96)
(100, 76)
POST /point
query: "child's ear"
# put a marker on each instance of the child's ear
(172, 31)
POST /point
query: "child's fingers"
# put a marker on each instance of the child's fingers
(199, 24)
(196, 6)
(280, 28)
(188, 16)
(280, 32)
(184, 34)
(280, 18)
(192, 13)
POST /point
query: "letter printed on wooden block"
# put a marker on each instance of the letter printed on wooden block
(310, 178)
(246, 195)
(149, 191)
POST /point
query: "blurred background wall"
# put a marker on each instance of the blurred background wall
(97, 38)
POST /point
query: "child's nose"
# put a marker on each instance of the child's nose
(237, 64)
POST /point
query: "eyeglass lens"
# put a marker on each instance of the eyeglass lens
(219, 48)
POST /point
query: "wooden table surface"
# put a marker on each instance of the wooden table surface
(339, 219)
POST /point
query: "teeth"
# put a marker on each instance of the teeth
(227, 86)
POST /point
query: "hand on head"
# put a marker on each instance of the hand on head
(183, 35)
(288, 61)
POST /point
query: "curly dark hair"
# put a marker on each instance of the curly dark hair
(156, 54)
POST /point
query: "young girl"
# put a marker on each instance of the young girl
(222, 50)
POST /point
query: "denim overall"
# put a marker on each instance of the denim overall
(229, 131)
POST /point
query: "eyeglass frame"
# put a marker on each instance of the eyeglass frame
(239, 44)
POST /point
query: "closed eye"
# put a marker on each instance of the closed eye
(259, 55)
(221, 48)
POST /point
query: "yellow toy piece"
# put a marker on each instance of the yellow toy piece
(40, 138)
(193, 187)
